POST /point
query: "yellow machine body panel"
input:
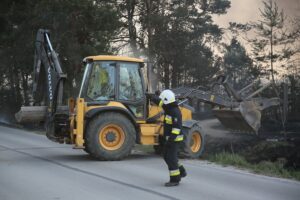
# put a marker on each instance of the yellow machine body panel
(149, 133)
(154, 110)
(111, 104)
(79, 120)
(186, 114)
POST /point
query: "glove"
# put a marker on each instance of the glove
(167, 142)
(157, 92)
(153, 98)
(149, 95)
(171, 138)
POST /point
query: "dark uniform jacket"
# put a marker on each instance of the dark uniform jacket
(172, 120)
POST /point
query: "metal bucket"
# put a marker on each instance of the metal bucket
(245, 118)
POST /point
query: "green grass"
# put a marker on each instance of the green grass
(265, 167)
(229, 159)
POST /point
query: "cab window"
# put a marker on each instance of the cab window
(130, 87)
(101, 85)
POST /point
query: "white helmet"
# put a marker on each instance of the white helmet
(167, 96)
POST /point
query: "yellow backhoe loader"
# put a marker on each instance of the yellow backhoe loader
(112, 112)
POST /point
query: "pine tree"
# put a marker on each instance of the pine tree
(273, 40)
(238, 65)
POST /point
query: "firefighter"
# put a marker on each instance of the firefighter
(172, 134)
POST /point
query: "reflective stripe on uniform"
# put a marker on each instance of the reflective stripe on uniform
(175, 172)
(168, 119)
(160, 103)
(176, 131)
(179, 138)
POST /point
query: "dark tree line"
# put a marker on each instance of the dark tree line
(78, 28)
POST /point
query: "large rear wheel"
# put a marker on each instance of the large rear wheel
(193, 145)
(110, 136)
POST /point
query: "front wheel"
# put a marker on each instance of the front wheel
(193, 145)
(110, 136)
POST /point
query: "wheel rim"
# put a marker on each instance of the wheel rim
(196, 142)
(111, 137)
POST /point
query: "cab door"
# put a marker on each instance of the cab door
(131, 91)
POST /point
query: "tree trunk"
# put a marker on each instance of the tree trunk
(12, 97)
(166, 75)
(174, 78)
(131, 27)
(25, 88)
(271, 56)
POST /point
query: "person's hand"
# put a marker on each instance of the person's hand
(171, 138)
(149, 95)
(168, 142)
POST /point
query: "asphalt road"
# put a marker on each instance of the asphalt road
(33, 168)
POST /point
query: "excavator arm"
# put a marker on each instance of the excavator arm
(48, 83)
(48, 78)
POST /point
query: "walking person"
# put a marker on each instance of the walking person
(173, 135)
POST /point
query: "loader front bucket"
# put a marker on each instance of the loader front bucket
(245, 118)
(36, 114)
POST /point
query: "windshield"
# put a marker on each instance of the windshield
(101, 85)
(130, 87)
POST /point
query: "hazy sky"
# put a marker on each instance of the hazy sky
(243, 11)
(248, 10)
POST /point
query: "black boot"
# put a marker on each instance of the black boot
(174, 181)
(182, 171)
(171, 184)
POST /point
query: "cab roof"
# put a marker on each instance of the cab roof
(114, 58)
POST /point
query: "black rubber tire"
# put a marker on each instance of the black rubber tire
(86, 150)
(92, 144)
(185, 150)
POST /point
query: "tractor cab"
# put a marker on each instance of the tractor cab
(114, 78)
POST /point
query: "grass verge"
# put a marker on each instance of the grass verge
(264, 167)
